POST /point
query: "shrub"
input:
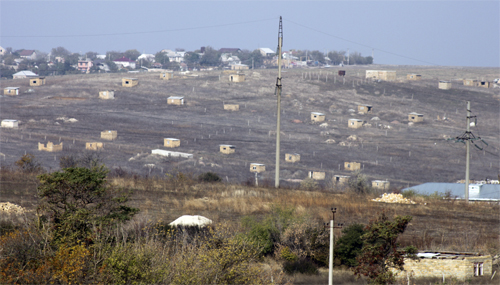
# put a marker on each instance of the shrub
(303, 265)
(209, 177)
(349, 245)
(29, 164)
(309, 184)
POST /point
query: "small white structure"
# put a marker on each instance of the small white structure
(171, 153)
(191, 221)
(175, 100)
(13, 124)
(11, 91)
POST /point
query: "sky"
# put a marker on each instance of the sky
(444, 33)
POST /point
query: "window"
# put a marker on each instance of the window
(126, 82)
(34, 81)
(478, 269)
(413, 118)
(348, 165)
(168, 142)
(255, 167)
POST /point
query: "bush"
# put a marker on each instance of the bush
(349, 246)
(309, 184)
(209, 177)
(303, 265)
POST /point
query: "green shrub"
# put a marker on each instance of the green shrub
(303, 265)
(209, 177)
(349, 246)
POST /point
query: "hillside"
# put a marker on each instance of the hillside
(387, 149)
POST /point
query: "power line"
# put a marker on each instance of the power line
(137, 33)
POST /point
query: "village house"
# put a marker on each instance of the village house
(23, 74)
(445, 85)
(470, 82)
(239, 77)
(2, 51)
(11, 91)
(381, 184)
(171, 142)
(129, 82)
(387, 75)
(352, 166)
(231, 107)
(257, 167)
(340, 179)
(227, 148)
(364, 109)
(239, 66)
(265, 52)
(415, 117)
(292, 157)
(107, 95)
(109, 135)
(125, 62)
(37, 81)
(354, 123)
(51, 147)
(316, 175)
(414, 76)
(94, 145)
(167, 75)
(317, 117)
(447, 265)
(85, 65)
(12, 124)
(175, 100)
(28, 54)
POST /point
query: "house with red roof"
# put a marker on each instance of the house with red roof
(125, 62)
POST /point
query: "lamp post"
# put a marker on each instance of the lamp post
(332, 226)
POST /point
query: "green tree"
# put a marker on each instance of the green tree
(211, 57)
(162, 57)
(381, 250)
(349, 245)
(358, 183)
(318, 56)
(336, 57)
(76, 200)
(59, 51)
(132, 54)
(191, 59)
(29, 164)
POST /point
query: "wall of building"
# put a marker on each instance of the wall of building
(109, 135)
(51, 147)
(231, 107)
(129, 82)
(457, 268)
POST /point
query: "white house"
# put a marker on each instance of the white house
(13, 124)
(267, 52)
(24, 74)
(125, 62)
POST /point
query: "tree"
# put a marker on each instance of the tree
(92, 55)
(336, 57)
(191, 59)
(162, 57)
(318, 56)
(349, 246)
(59, 51)
(381, 251)
(112, 55)
(132, 54)
(211, 57)
(76, 200)
(358, 183)
(29, 164)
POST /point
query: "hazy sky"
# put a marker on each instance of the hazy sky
(451, 33)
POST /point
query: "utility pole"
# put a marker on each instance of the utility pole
(278, 112)
(332, 226)
(468, 138)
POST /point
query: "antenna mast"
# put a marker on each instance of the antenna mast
(278, 94)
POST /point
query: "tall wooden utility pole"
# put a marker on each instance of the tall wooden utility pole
(467, 146)
(278, 94)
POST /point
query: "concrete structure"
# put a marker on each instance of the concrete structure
(107, 95)
(266, 52)
(109, 135)
(28, 54)
(292, 157)
(239, 77)
(51, 147)
(231, 107)
(484, 84)
(381, 184)
(175, 100)
(171, 142)
(171, 153)
(257, 167)
(387, 75)
(317, 117)
(167, 75)
(125, 62)
(470, 82)
(239, 67)
(12, 124)
(94, 145)
(11, 91)
(340, 179)
(365, 109)
(354, 123)
(227, 148)
(415, 117)
(352, 166)
(23, 74)
(414, 76)
(129, 82)
(461, 266)
(316, 175)
(444, 85)
(191, 221)
(37, 81)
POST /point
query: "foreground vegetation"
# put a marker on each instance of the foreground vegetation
(89, 225)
